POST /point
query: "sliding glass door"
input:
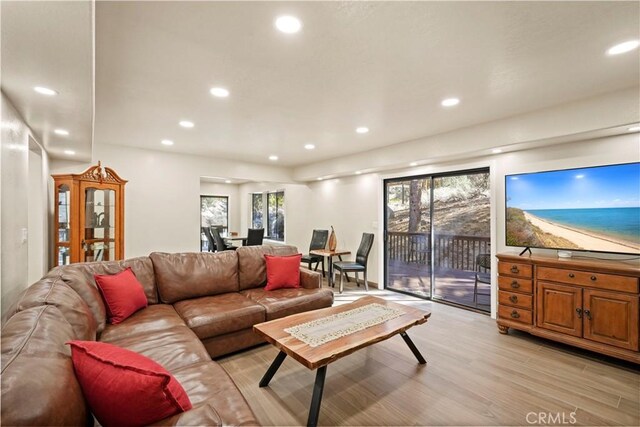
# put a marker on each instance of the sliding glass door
(438, 237)
(408, 223)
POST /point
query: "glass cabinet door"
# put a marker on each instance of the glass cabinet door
(63, 233)
(99, 240)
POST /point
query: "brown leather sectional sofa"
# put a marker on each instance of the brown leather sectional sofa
(201, 305)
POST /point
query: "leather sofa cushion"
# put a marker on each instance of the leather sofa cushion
(231, 342)
(174, 346)
(219, 314)
(284, 302)
(209, 386)
(57, 293)
(191, 275)
(156, 317)
(252, 268)
(39, 386)
(77, 279)
(204, 415)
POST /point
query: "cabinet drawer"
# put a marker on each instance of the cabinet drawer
(515, 300)
(514, 269)
(514, 314)
(514, 284)
(585, 278)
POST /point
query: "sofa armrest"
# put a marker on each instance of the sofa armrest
(310, 279)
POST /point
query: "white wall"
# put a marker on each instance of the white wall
(163, 193)
(230, 191)
(354, 204)
(14, 216)
(37, 213)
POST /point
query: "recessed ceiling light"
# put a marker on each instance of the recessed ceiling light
(62, 132)
(186, 124)
(496, 150)
(362, 129)
(228, 181)
(309, 146)
(45, 90)
(288, 24)
(69, 152)
(625, 47)
(413, 164)
(167, 142)
(220, 92)
(450, 102)
(634, 129)
(358, 172)
(273, 157)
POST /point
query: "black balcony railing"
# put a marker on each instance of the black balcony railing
(451, 251)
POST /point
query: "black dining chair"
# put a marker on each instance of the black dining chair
(359, 265)
(207, 234)
(318, 241)
(483, 274)
(220, 243)
(255, 236)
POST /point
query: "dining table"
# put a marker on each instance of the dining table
(238, 238)
(330, 254)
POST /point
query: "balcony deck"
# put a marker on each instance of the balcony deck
(451, 284)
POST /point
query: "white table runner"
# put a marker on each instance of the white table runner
(321, 331)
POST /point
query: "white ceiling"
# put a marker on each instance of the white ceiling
(384, 65)
(50, 44)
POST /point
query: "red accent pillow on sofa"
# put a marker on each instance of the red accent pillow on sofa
(122, 293)
(123, 387)
(283, 271)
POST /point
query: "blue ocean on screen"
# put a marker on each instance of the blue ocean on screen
(619, 223)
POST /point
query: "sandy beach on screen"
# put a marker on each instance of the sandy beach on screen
(582, 238)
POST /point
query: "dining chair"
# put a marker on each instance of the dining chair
(207, 234)
(359, 265)
(255, 236)
(318, 241)
(220, 243)
(483, 274)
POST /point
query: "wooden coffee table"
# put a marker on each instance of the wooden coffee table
(319, 357)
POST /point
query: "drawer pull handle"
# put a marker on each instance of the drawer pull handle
(513, 298)
(594, 278)
(588, 314)
(515, 285)
(514, 269)
(579, 312)
(515, 314)
(572, 275)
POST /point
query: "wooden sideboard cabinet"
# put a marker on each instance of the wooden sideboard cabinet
(588, 303)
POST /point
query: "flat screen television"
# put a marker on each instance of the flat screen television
(591, 209)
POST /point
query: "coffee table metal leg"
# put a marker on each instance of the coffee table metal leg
(318, 387)
(413, 348)
(272, 369)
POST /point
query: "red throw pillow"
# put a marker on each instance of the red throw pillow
(283, 271)
(122, 293)
(123, 387)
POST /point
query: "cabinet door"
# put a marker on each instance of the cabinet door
(559, 308)
(99, 222)
(611, 318)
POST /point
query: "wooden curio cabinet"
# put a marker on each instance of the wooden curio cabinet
(88, 216)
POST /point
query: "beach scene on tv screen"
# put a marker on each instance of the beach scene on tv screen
(594, 209)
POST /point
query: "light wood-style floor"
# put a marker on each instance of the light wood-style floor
(474, 376)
